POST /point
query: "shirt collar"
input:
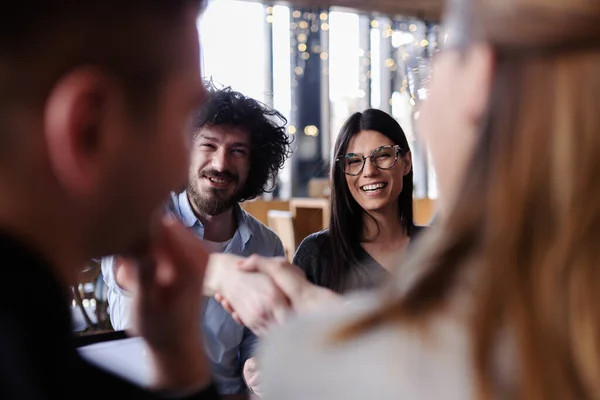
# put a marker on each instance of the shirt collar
(189, 219)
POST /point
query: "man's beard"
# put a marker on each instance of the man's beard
(212, 201)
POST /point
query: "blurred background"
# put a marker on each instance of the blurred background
(316, 65)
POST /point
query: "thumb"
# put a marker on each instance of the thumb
(287, 277)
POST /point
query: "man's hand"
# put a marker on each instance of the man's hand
(252, 376)
(303, 295)
(257, 301)
(167, 288)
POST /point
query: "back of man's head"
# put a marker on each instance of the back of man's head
(41, 40)
(94, 95)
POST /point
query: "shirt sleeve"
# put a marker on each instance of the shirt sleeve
(119, 301)
(278, 251)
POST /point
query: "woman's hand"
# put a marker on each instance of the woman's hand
(303, 296)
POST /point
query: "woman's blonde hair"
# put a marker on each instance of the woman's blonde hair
(528, 216)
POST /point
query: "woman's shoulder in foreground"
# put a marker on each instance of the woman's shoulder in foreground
(301, 360)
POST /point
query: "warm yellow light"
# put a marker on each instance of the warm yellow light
(323, 16)
(412, 27)
(298, 70)
(301, 47)
(303, 24)
(374, 23)
(412, 102)
(270, 19)
(305, 56)
(324, 56)
(389, 63)
(269, 10)
(325, 26)
(297, 14)
(424, 43)
(301, 38)
(311, 130)
(292, 130)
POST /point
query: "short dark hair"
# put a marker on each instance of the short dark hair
(270, 144)
(42, 40)
(346, 221)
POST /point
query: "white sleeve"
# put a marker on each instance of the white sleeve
(119, 301)
(302, 360)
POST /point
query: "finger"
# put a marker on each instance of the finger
(236, 318)
(250, 366)
(287, 277)
(145, 269)
(227, 306)
(250, 264)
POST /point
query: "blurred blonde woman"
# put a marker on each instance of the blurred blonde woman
(502, 298)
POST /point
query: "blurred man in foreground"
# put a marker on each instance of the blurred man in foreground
(94, 99)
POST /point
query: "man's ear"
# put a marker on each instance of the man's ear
(479, 68)
(75, 123)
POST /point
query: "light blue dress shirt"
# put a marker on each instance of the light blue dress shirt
(228, 344)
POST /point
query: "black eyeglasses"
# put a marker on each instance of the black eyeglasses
(383, 157)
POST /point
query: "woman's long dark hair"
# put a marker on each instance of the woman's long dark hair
(346, 223)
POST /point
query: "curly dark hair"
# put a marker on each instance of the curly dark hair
(270, 145)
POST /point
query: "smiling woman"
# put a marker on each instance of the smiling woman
(372, 217)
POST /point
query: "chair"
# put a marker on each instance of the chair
(258, 208)
(282, 223)
(423, 210)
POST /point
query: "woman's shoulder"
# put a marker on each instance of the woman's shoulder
(317, 238)
(312, 245)
(311, 253)
(388, 362)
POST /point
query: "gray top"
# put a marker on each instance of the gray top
(313, 257)
(302, 361)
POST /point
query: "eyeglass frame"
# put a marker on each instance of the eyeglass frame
(396, 147)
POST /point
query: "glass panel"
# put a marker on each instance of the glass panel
(344, 66)
(282, 84)
(232, 34)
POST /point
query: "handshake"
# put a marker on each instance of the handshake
(168, 281)
(261, 292)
